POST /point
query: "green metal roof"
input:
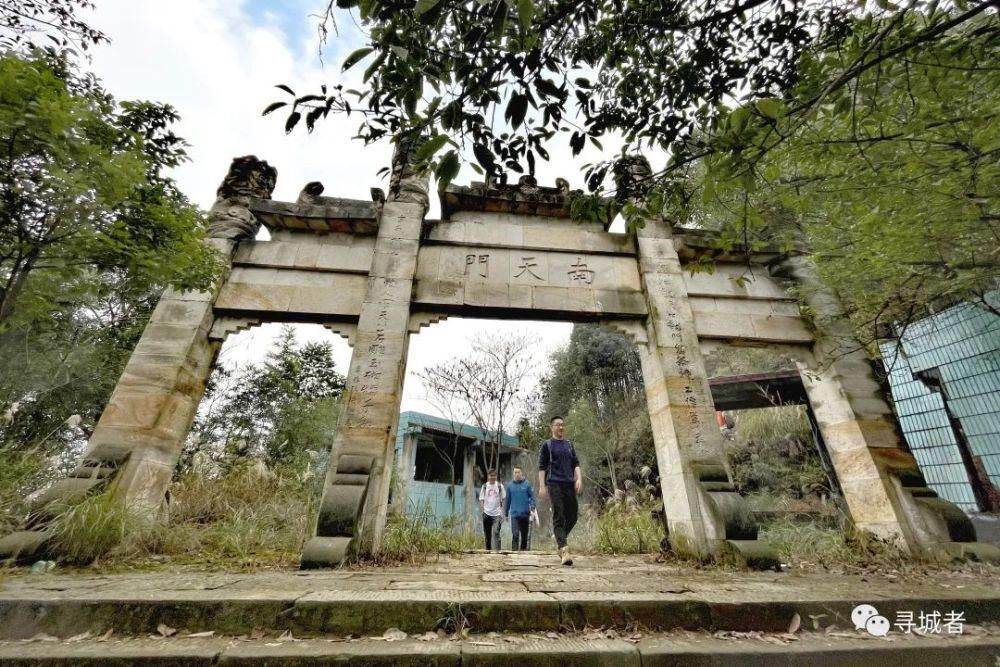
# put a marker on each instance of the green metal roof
(410, 419)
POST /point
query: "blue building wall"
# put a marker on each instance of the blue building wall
(963, 343)
(432, 501)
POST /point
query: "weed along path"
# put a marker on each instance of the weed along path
(453, 609)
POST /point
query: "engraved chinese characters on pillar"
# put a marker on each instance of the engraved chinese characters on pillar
(580, 273)
(690, 398)
(474, 260)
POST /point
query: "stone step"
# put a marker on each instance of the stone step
(361, 612)
(522, 593)
(809, 649)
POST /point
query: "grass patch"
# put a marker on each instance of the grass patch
(93, 528)
(773, 453)
(249, 517)
(23, 472)
(621, 528)
(413, 538)
(806, 544)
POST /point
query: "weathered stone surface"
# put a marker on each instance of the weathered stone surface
(230, 216)
(733, 280)
(527, 232)
(408, 653)
(816, 651)
(570, 651)
(808, 649)
(526, 197)
(343, 216)
(687, 440)
(174, 652)
(374, 386)
(369, 601)
(858, 429)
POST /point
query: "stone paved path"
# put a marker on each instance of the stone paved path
(520, 595)
(505, 575)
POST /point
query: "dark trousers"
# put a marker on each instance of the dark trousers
(491, 530)
(564, 510)
(519, 526)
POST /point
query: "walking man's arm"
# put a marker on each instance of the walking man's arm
(577, 474)
(543, 465)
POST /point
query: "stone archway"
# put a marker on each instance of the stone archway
(376, 271)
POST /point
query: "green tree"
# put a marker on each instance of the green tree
(892, 183)
(868, 125)
(24, 22)
(91, 230)
(595, 382)
(276, 411)
(84, 204)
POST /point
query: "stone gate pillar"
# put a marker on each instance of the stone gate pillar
(882, 485)
(352, 511)
(145, 424)
(142, 430)
(706, 517)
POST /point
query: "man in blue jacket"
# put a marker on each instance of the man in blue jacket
(518, 506)
(560, 479)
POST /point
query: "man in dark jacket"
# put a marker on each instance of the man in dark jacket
(518, 506)
(560, 479)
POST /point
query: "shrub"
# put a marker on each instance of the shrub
(773, 453)
(627, 529)
(93, 527)
(415, 537)
(249, 516)
(22, 472)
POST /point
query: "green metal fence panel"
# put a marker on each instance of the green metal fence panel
(963, 344)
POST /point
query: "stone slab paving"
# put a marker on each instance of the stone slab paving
(505, 592)
(666, 649)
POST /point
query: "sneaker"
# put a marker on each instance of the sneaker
(566, 558)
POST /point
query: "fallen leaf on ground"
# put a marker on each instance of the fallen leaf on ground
(796, 623)
(80, 637)
(165, 630)
(206, 633)
(394, 635)
(106, 636)
(429, 637)
(42, 637)
(552, 635)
